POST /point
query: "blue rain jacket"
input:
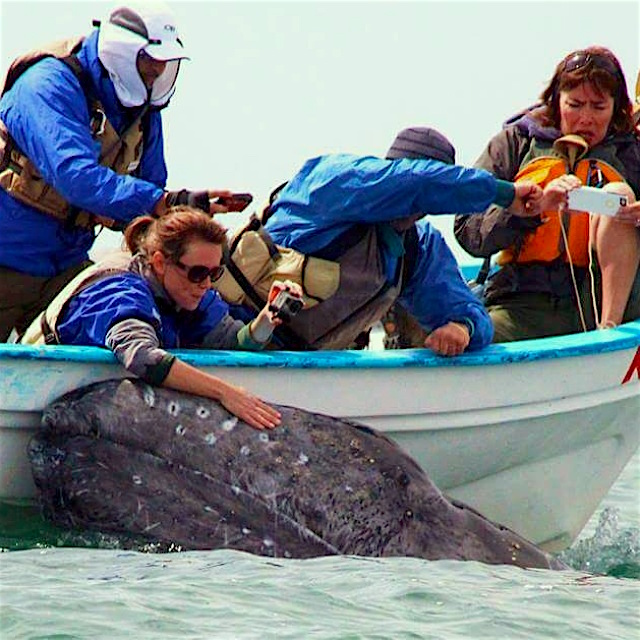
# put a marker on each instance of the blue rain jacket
(332, 193)
(47, 115)
(92, 312)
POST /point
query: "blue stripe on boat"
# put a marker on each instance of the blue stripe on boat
(624, 337)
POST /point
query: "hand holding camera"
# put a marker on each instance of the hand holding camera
(283, 303)
(285, 300)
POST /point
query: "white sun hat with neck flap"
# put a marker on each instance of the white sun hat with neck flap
(148, 27)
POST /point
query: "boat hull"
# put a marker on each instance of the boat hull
(532, 434)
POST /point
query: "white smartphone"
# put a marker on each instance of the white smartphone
(595, 200)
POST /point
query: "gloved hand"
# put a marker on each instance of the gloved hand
(198, 199)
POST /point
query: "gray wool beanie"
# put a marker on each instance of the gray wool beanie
(422, 142)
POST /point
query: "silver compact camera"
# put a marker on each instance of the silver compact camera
(595, 200)
(285, 305)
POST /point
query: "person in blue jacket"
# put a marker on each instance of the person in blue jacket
(367, 213)
(81, 146)
(159, 297)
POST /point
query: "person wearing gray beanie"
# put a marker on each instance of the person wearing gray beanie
(357, 225)
(422, 142)
(401, 329)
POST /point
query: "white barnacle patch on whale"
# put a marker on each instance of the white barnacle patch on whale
(246, 531)
(136, 479)
(149, 396)
(302, 459)
(173, 408)
(263, 437)
(229, 423)
(210, 439)
(268, 542)
(180, 430)
(202, 412)
(244, 450)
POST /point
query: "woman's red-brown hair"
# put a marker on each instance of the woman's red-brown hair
(173, 232)
(600, 67)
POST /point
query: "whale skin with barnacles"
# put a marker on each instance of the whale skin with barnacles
(146, 463)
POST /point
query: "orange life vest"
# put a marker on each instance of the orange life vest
(544, 163)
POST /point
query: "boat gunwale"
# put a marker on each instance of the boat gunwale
(621, 338)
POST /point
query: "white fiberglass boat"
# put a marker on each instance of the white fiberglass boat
(532, 434)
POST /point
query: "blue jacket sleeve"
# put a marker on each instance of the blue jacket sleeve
(46, 114)
(153, 167)
(333, 192)
(92, 312)
(436, 292)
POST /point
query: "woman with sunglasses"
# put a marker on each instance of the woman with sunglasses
(160, 298)
(581, 133)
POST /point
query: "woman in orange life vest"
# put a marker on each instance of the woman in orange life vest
(581, 133)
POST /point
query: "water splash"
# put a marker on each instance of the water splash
(610, 551)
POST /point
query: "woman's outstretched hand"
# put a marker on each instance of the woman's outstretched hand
(238, 401)
(254, 411)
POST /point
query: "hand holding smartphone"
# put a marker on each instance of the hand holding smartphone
(235, 202)
(594, 200)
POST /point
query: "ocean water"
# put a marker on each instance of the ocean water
(65, 592)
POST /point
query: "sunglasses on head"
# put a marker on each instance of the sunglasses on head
(199, 273)
(582, 59)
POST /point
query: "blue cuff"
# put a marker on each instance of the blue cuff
(505, 193)
(246, 341)
(467, 322)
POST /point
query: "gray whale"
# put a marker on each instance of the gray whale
(122, 457)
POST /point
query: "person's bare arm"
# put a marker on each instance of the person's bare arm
(251, 409)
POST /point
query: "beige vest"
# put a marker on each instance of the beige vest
(20, 178)
(342, 298)
(43, 330)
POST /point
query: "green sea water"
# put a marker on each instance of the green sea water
(65, 593)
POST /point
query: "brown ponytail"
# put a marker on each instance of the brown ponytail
(135, 232)
(172, 232)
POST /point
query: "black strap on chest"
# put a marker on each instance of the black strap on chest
(287, 336)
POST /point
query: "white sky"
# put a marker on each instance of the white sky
(271, 84)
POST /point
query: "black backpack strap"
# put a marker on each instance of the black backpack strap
(285, 335)
(266, 214)
(483, 272)
(410, 242)
(255, 224)
(240, 278)
(47, 332)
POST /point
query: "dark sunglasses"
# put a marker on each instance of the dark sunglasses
(582, 59)
(199, 273)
